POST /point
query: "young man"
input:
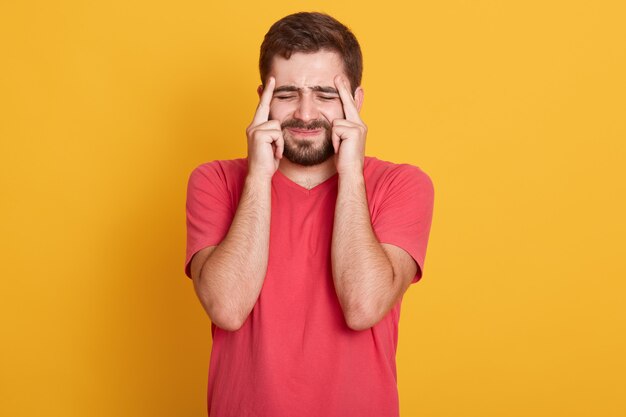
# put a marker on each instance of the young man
(300, 253)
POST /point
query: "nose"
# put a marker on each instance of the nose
(307, 109)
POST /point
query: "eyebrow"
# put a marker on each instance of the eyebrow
(316, 88)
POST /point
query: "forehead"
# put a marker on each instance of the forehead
(307, 69)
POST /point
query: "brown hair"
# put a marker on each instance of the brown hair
(309, 33)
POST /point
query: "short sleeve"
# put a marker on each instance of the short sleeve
(209, 209)
(405, 211)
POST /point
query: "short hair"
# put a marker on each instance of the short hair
(310, 32)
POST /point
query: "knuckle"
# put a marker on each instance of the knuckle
(256, 135)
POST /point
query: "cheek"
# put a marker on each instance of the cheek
(276, 112)
(332, 111)
(280, 110)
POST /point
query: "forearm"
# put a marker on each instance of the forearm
(231, 278)
(362, 272)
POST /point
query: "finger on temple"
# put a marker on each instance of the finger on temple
(349, 108)
(263, 110)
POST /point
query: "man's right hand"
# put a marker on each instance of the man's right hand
(228, 277)
(265, 138)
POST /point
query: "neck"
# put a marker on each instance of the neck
(308, 177)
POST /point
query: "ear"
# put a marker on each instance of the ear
(259, 91)
(358, 98)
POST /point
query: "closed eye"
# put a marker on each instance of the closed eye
(287, 97)
(328, 98)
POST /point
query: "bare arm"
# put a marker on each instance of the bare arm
(228, 277)
(369, 277)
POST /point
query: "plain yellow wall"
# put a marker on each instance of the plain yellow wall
(515, 108)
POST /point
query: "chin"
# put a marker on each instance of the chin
(308, 155)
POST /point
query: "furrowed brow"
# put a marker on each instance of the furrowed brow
(316, 88)
(286, 89)
(323, 89)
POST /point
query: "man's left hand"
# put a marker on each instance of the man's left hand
(348, 135)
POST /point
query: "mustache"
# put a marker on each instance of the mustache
(300, 124)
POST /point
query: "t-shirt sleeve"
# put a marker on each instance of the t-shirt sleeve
(405, 213)
(209, 209)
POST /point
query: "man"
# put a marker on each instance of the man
(300, 253)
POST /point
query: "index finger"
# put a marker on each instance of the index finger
(349, 108)
(263, 110)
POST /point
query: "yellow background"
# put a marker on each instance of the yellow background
(515, 108)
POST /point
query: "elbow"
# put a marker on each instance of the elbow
(225, 319)
(223, 316)
(359, 319)
(363, 311)
(359, 325)
(228, 324)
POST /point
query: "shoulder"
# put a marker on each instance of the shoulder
(225, 171)
(223, 168)
(384, 174)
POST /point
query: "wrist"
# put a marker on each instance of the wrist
(351, 177)
(351, 173)
(258, 179)
(259, 173)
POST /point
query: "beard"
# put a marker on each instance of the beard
(304, 151)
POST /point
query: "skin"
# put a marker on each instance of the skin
(310, 73)
(369, 277)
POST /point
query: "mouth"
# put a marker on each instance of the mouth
(304, 132)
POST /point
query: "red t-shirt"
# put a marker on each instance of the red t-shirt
(295, 355)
